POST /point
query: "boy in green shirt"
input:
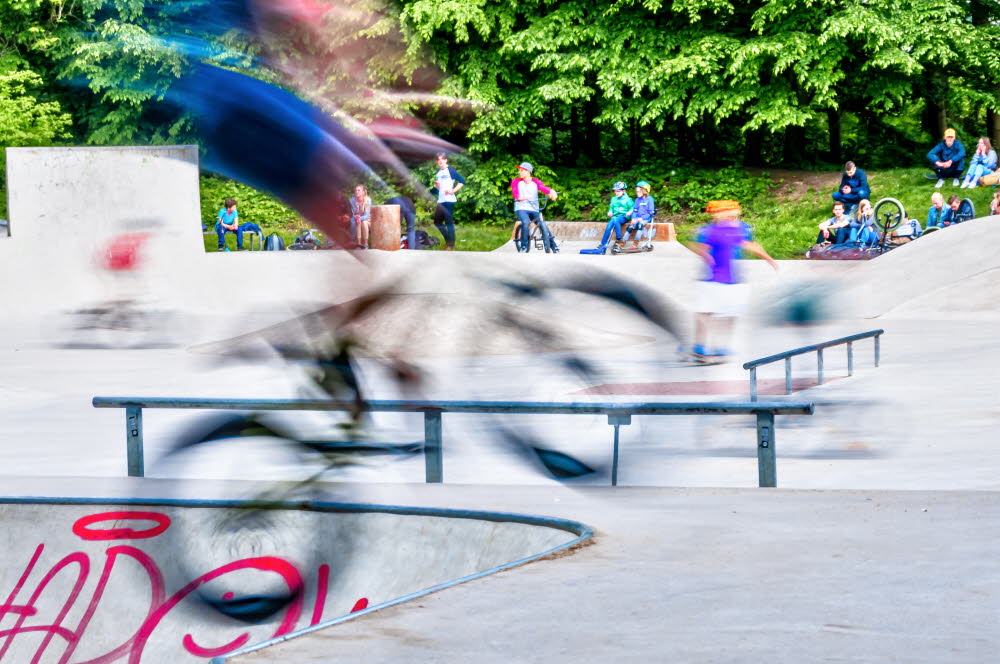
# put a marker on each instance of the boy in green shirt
(618, 211)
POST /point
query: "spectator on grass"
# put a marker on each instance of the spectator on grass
(447, 182)
(861, 228)
(947, 159)
(954, 204)
(984, 161)
(361, 214)
(995, 203)
(939, 215)
(853, 187)
(525, 189)
(835, 230)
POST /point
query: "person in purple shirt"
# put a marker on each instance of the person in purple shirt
(722, 297)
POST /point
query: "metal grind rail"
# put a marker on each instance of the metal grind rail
(618, 414)
(815, 348)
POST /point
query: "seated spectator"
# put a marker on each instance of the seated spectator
(835, 230)
(361, 214)
(947, 159)
(862, 225)
(984, 161)
(853, 187)
(954, 203)
(228, 221)
(618, 210)
(641, 214)
(995, 203)
(938, 216)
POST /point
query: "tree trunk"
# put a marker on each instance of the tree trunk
(574, 135)
(634, 146)
(993, 127)
(794, 148)
(935, 118)
(554, 141)
(836, 139)
(592, 135)
(753, 145)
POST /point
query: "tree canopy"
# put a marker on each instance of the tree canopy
(573, 82)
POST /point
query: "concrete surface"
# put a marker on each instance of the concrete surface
(707, 575)
(163, 567)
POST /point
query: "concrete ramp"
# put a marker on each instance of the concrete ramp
(939, 267)
(184, 581)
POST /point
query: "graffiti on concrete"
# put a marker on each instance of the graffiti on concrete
(34, 620)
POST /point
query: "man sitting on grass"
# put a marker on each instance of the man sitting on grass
(853, 186)
(836, 229)
(947, 159)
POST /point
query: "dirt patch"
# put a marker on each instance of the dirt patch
(792, 185)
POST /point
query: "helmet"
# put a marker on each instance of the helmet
(643, 184)
(620, 185)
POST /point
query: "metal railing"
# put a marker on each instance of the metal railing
(618, 414)
(818, 349)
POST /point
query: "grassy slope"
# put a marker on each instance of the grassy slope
(784, 220)
(786, 224)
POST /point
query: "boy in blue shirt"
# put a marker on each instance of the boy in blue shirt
(228, 222)
(641, 215)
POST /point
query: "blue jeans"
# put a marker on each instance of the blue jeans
(221, 232)
(837, 235)
(444, 220)
(849, 200)
(975, 172)
(616, 224)
(863, 235)
(526, 217)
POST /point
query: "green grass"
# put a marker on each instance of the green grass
(468, 237)
(784, 219)
(786, 227)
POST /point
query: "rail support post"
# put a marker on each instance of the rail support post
(133, 441)
(753, 383)
(616, 421)
(767, 474)
(433, 458)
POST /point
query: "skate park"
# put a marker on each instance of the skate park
(876, 544)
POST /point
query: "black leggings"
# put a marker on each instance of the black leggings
(444, 220)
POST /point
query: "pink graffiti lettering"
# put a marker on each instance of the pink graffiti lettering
(160, 605)
(82, 530)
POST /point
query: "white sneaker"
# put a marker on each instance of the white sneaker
(940, 183)
(954, 182)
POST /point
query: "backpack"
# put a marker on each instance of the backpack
(274, 243)
(424, 240)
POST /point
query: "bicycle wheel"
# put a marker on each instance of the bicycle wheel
(966, 211)
(889, 214)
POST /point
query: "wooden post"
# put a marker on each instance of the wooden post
(385, 228)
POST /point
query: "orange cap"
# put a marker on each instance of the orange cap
(722, 206)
